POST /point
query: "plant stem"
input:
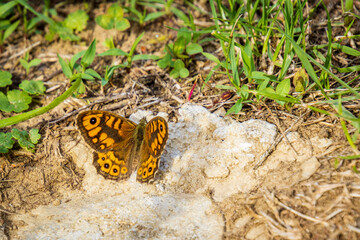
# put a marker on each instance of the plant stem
(36, 112)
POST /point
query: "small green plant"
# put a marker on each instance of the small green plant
(109, 43)
(131, 56)
(75, 71)
(113, 19)
(26, 140)
(27, 65)
(143, 17)
(178, 54)
(16, 100)
(74, 22)
(29, 25)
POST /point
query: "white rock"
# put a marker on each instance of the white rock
(135, 215)
(309, 167)
(242, 221)
(204, 152)
(257, 232)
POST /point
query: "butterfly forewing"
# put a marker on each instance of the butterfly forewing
(155, 137)
(105, 131)
(112, 137)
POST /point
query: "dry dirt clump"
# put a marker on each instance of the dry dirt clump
(266, 173)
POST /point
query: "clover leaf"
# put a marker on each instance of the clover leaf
(6, 142)
(19, 100)
(5, 105)
(76, 20)
(34, 135)
(33, 87)
(114, 18)
(23, 139)
(165, 61)
(5, 78)
(179, 70)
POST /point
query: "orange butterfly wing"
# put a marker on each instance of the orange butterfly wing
(155, 137)
(112, 136)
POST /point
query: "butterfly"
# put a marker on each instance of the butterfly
(120, 143)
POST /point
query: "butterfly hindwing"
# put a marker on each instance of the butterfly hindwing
(114, 165)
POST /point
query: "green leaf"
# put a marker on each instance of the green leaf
(193, 48)
(145, 57)
(76, 20)
(81, 89)
(153, 15)
(283, 88)
(184, 73)
(75, 58)
(63, 32)
(116, 12)
(113, 52)
(179, 64)
(34, 62)
(105, 21)
(180, 15)
(33, 22)
(179, 46)
(87, 76)
(133, 47)
(33, 87)
(270, 93)
(34, 135)
(65, 67)
(19, 100)
(5, 9)
(6, 142)
(23, 139)
(211, 57)
(5, 78)
(92, 73)
(165, 61)
(300, 80)
(174, 73)
(109, 43)
(244, 91)
(5, 105)
(10, 30)
(25, 64)
(185, 33)
(89, 55)
(113, 18)
(4, 24)
(236, 108)
(122, 24)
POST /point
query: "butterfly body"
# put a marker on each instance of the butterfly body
(122, 146)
